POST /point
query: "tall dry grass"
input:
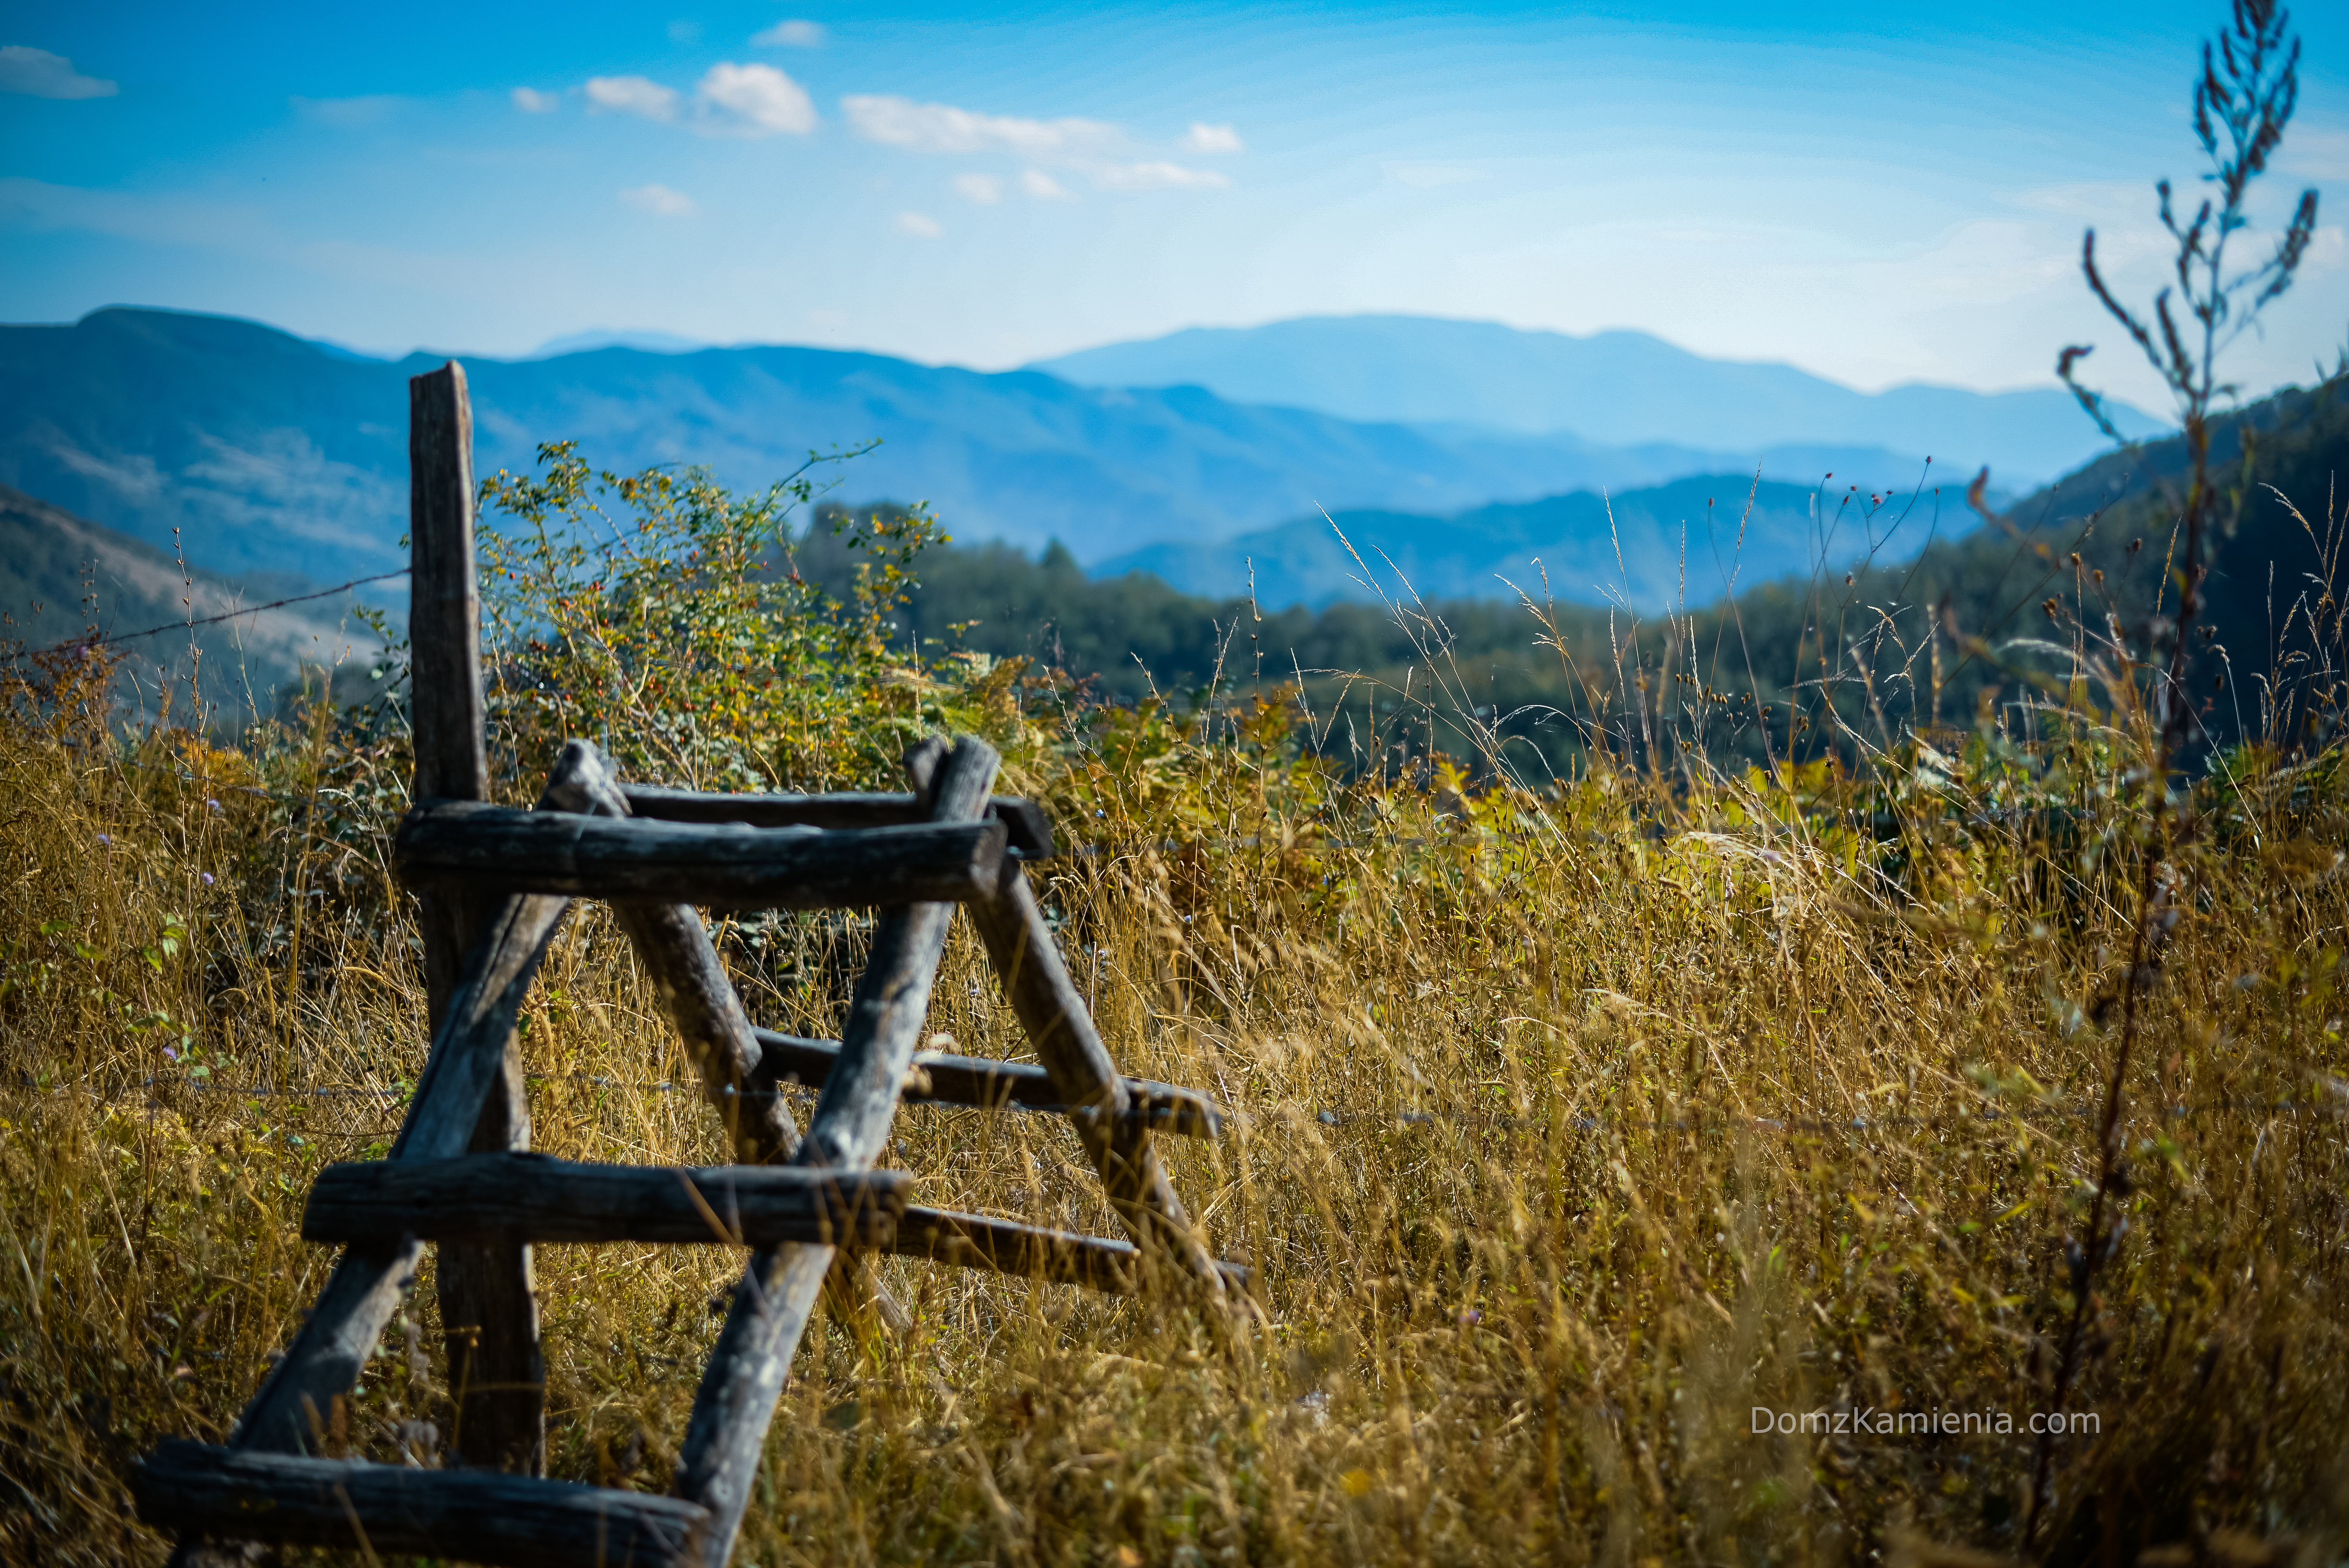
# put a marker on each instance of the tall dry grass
(1571, 1126)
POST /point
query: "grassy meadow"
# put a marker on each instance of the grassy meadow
(1581, 1123)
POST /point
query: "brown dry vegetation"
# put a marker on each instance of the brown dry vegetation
(1571, 1125)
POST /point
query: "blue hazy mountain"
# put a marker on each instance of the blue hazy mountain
(1613, 389)
(1692, 541)
(271, 453)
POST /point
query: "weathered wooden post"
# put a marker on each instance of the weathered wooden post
(489, 1314)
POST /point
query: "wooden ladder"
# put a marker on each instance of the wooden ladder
(496, 883)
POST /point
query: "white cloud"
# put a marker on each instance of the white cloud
(791, 35)
(753, 100)
(941, 127)
(530, 100)
(1044, 188)
(919, 226)
(37, 73)
(978, 189)
(638, 95)
(1205, 138)
(660, 200)
(1156, 175)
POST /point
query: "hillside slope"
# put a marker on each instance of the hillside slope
(63, 577)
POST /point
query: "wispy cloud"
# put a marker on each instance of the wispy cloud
(1090, 147)
(919, 225)
(941, 127)
(752, 100)
(159, 218)
(530, 100)
(791, 35)
(730, 101)
(1211, 138)
(1044, 188)
(660, 200)
(1156, 175)
(639, 96)
(37, 73)
(978, 189)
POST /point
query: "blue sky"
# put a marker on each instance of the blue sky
(1879, 193)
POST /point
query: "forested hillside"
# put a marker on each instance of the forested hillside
(1873, 636)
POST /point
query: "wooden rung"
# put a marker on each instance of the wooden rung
(940, 1078)
(724, 866)
(1007, 1246)
(474, 1516)
(1030, 827)
(522, 1197)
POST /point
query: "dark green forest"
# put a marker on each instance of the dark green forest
(1979, 628)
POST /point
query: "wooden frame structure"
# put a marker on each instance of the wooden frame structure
(494, 884)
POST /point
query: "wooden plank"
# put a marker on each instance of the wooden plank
(468, 1060)
(487, 1304)
(719, 1461)
(473, 1516)
(1028, 826)
(517, 1197)
(1009, 1247)
(676, 953)
(940, 1078)
(296, 1399)
(444, 618)
(1020, 946)
(724, 866)
(675, 950)
(468, 1056)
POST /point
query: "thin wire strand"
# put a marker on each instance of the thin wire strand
(87, 643)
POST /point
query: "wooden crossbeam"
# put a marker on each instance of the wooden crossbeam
(1020, 943)
(722, 865)
(1029, 827)
(718, 1460)
(685, 970)
(1009, 1247)
(538, 1198)
(941, 1078)
(474, 1516)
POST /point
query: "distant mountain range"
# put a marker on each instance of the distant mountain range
(1618, 388)
(271, 453)
(1688, 542)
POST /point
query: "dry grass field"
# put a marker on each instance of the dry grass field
(1578, 1131)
